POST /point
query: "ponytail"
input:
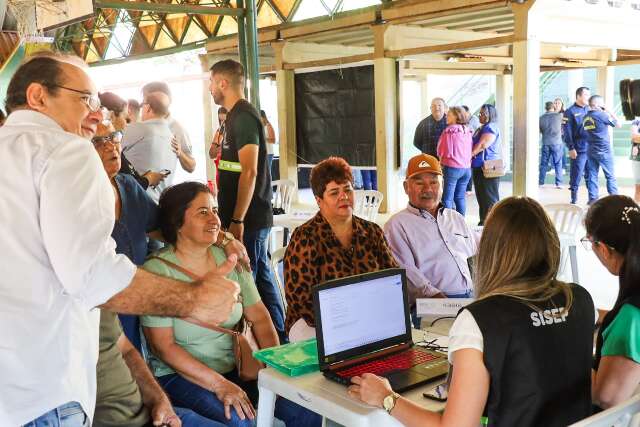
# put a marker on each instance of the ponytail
(630, 269)
(615, 222)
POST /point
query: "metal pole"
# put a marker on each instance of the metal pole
(242, 46)
(252, 54)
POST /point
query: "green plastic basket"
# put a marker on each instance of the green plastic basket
(292, 359)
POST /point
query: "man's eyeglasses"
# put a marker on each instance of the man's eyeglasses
(92, 101)
(100, 141)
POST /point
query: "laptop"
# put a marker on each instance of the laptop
(363, 325)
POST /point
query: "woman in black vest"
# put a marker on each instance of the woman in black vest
(521, 353)
(613, 233)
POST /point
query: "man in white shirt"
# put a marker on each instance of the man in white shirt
(431, 242)
(181, 145)
(147, 144)
(57, 256)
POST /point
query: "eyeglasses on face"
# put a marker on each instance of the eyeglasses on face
(100, 141)
(588, 243)
(91, 100)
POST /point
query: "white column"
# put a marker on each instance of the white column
(575, 79)
(208, 110)
(605, 85)
(425, 100)
(605, 88)
(386, 100)
(504, 89)
(526, 88)
(287, 127)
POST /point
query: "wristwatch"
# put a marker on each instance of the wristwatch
(237, 221)
(389, 402)
(226, 239)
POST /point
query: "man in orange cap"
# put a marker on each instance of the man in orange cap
(430, 241)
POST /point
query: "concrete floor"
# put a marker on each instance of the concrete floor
(592, 275)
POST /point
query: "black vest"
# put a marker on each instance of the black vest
(259, 215)
(540, 367)
(633, 300)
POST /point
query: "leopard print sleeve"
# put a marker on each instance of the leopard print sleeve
(298, 278)
(385, 256)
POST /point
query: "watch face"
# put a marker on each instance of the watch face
(387, 403)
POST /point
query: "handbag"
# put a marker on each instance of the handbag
(244, 341)
(492, 168)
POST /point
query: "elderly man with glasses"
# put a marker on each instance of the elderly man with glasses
(58, 259)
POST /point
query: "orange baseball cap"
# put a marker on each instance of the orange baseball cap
(423, 163)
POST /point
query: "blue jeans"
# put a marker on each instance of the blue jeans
(189, 395)
(554, 154)
(256, 243)
(577, 170)
(455, 186)
(68, 415)
(269, 163)
(369, 179)
(191, 419)
(594, 162)
(416, 321)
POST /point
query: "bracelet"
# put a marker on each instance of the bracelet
(217, 144)
(237, 221)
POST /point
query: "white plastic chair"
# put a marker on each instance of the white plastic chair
(567, 218)
(283, 194)
(625, 414)
(367, 203)
(282, 197)
(276, 259)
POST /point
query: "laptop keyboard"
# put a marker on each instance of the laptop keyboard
(401, 361)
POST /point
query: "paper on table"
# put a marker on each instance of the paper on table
(441, 306)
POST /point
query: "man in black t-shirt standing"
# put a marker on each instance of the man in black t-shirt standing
(245, 181)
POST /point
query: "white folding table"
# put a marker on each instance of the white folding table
(330, 399)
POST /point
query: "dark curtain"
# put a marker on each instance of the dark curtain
(335, 116)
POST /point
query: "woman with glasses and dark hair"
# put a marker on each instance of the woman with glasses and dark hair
(613, 233)
(486, 146)
(136, 213)
(521, 353)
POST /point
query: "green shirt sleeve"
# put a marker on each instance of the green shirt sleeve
(248, 288)
(156, 267)
(246, 130)
(622, 336)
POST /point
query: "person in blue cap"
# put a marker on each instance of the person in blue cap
(599, 154)
(576, 139)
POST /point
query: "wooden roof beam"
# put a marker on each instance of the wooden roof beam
(435, 8)
(451, 47)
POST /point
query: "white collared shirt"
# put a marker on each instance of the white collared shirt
(57, 262)
(434, 251)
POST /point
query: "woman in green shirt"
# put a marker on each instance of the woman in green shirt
(195, 365)
(613, 233)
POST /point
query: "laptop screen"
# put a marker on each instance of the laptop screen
(361, 312)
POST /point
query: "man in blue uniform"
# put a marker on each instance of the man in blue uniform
(576, 139)
(596, 125)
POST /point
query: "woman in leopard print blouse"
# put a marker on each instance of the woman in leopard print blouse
(332, 244)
